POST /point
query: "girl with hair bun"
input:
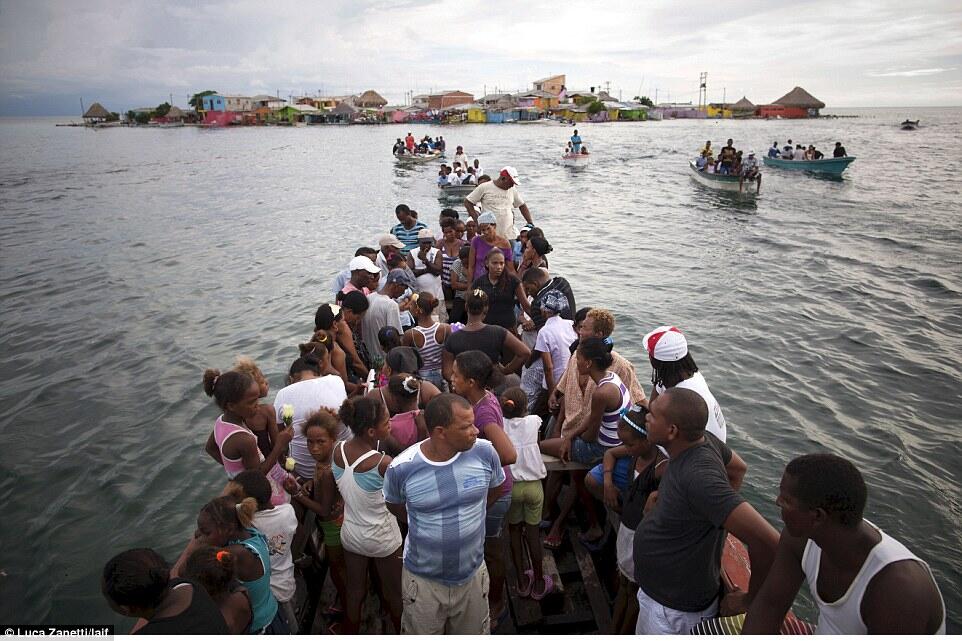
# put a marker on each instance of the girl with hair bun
(263, 423)
(232, 443)
(407, 425)
(427, 336)
(370, 535)
(587, 443)
(213, 569)
(226, 523)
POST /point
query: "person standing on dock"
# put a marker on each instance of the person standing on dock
(862, 580)
(678, 545)
(441, 487)
(407, 228)
(500, 197)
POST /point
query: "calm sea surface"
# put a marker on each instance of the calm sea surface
(826, 315)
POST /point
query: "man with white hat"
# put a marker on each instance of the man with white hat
(364, 276)
(673, 366)
(344, 275)
(389, 245)
(500, 197)
(749, 170)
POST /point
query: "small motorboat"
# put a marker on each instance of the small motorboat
(455, 191)
(910, 125)
(418, 158)
(831, 166)
(725, 182)
(575, 160)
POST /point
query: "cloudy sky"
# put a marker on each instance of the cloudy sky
(132, 53)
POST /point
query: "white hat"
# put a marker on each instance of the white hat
(365, 263)
(751, 152)
(666, 344)
(512, 172)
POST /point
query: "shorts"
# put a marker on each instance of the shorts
(332, 533)
(619, 475)
(434, 376)
(527, 500)
(584, 452)
(494, 519)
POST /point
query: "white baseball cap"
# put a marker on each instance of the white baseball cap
(666, 344)
(365, 263)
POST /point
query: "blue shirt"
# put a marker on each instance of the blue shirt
(576, 143)
(342, 278)
(408, 236)
(446, 504)
(773, 152)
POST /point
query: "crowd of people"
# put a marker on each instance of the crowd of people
(801, 152)
(417, 440)
(575, 145)
(459, 172)
(426, 146)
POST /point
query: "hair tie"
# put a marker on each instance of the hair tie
(214, 384)
(509, 402)
(412, 388)
(223, 555)
(608, 341)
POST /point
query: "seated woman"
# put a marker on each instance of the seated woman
(213, 569)
(584, 149)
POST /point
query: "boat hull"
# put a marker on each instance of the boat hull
(418, 158)
(725, 183)
(575, 160)
(832, 166)
(455, 191)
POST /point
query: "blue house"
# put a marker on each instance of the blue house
(214, 102)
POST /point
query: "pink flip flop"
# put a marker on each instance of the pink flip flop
(527, 590)
(548, 587)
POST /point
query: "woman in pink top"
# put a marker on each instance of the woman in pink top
(236, 393)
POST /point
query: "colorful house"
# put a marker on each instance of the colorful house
(449, 99)
(537, 99)
(797, 103)
(552, 85)
(718, 110)
(298, 113)
(476, 113)
(213, 102)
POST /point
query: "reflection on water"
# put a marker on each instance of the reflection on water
(825, 314)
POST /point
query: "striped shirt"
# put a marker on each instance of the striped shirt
(408, 236)
(608, 434)
(431, 350)
(446, 262)
(446, 505)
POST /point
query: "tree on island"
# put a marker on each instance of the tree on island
(645, 100)
(197, 100)
(595, 107)
(161, 110)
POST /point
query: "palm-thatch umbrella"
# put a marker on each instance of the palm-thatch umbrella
(800, 98)
(743, 105)
(371, 99)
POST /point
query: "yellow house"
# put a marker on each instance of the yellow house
(476, 114)
(718, 110)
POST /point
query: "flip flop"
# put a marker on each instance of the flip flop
(548, 588)
(545, 524)
(592, 545)
(553, 543)
(527, 591)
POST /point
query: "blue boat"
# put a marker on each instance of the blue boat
(833, 166)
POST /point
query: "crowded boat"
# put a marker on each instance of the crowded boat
(456, 418)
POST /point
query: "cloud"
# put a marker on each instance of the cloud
(910, 73)
(137, 52)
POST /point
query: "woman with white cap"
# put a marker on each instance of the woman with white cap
(673, 366)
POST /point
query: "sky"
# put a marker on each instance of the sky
(133, 53)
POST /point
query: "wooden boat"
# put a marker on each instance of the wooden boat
(455, 191)
(418, 158)
(910, 125)
(575, 160)
(833, 166)
(726, 183)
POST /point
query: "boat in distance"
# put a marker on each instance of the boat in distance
(833, 166)
(434, 155)
(910, 125)
(725, 182)
(455, 191)
(575, 160)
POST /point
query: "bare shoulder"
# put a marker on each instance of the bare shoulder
(902, 598)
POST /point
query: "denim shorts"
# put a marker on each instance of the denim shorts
(585, 452)
(494, 519)
(619, 475)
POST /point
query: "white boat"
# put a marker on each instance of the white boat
(417, 158)
(575, 160)
(455, 191)
(725, 182)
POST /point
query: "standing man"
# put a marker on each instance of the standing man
(576, 143)
(407, 228)
(409, 143)
(383, 311)
(500, 197)
(364, 276)
(839, 151)
(727, 157)
(460, 157)
(862, 580)
(678, 546)
(441, 488)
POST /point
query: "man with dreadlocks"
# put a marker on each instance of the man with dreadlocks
(673, 366)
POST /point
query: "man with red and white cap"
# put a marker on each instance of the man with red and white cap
(673, 366)
(500, 197)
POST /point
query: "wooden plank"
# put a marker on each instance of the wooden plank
(555, 464)
(567, 619)
(551, 569)
(526, 611)
(592, 586)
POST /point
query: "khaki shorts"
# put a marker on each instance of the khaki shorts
(527, 499)
(434, 608)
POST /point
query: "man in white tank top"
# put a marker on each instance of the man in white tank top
(862, 580)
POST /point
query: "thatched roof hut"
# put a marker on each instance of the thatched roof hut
(344, 109)
(800, 98)
(743, 105)
(370, 99)
(96, 113)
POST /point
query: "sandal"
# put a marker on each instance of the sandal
(553, 542)
(548, 588)
(592, 545)
(527, 591)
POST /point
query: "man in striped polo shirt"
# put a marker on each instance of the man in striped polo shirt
(407, 228)
(441, 487)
